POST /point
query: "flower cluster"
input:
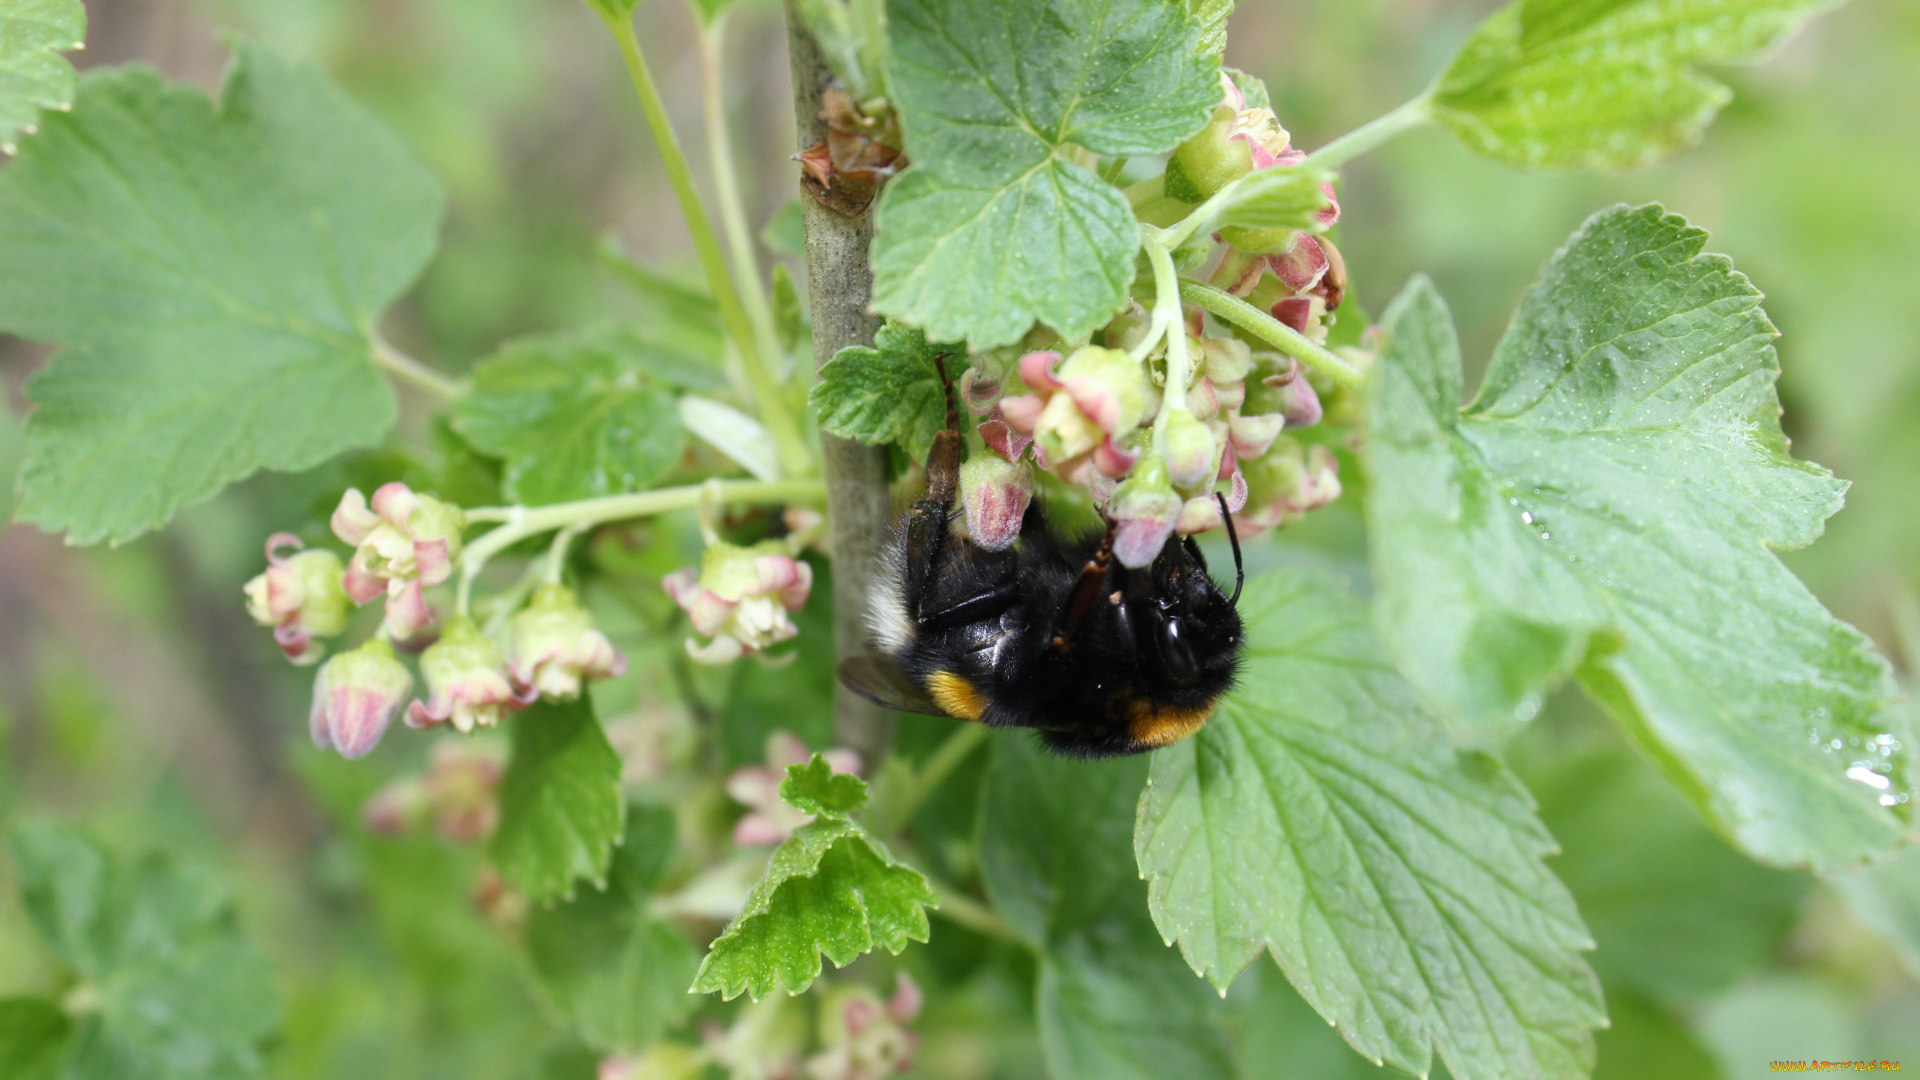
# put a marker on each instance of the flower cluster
(740, 598)
(405, 542)
(458, 793)
(865, 1038)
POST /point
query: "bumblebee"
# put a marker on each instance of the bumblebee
(1052, 634)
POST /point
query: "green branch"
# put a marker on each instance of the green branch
(1231, 308)
(404, 368)
(795, 457)
(1413, 114)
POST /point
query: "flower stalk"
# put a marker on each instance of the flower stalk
(1372, 135)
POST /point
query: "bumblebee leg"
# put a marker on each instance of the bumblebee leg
(1093, 578)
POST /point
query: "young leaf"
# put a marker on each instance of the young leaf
(214, 275)
(576, 416)
(1212, 17)
(33, 74)
(852, 37)
(560, 802)
(830, 890)
(33, 1034)
(785, 233)
(617, 975)
(1611, 502)
(994, 228)
(890, 393)
(1114, 1002)
(733, 433)
(1321, 817)
(1603, 83)
(175, 991)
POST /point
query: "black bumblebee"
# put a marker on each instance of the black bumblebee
(1052, 634)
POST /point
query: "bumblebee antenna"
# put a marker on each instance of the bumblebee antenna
(946, 386)
(1233, 537)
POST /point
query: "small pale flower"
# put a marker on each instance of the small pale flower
(865, 1038)
(757, 787)
(740, 599)
(1144, 509)
(995, 493)
(300, 596)
(462, 786)
(1096, 394)
(1287, 484)
(355, 697)
(466, 676)
(402, 542)
(553, 646)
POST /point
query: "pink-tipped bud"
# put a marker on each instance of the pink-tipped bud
(1036, 370)
(995, 493)
(1144, 510)
(1005, 441)
(355, 697)
(1283, 389)
(553, 646)
(1190, 450)
(905, 1004)
(1252, 435)
(467, 680)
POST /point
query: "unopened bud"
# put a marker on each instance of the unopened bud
(995, 493)
(355, 697)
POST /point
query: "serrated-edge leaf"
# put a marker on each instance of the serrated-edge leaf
(1612, 502)
(561, 810)
(1560, 83)
(830, 865)
(1285, 197)
(888, 393)
(33, 74)
(815, 788)
(1400, 885)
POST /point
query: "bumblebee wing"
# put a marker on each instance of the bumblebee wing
(880, 680)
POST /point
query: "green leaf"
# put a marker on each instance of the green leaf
(171, 990)
(1114, 1002)
(1278, 198)
(994, 227)
(789, 314)
(1212, 17)
(1885, 897)
(575, 416)
(215, 276)
(1611, 502)
(616, 9)
(560, 802)
(891, 393)
(1603, 83)
(617, 976)
(785, 233)
(33, 1034)
(830, 890)
(1679, 915)
(816, 789)
(33, 74)
(1399, 884)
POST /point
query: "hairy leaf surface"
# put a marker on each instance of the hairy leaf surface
(889, 393)
(618, 976)
(1114, 1002)
(1320, 816)
(1604, 83)
(575, 416)
(560, 802)
(830, 890)
(33, 74)
(177, 992)
(995, 227)
(1612, 502)
(214, 275)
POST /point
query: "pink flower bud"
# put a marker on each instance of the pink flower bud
(553, 646)
(740, 598)
(1300, 263)
(995, 494)
(1144, 509)
(1001, 437)
(466, 676)
(904, 1006)
(300, 596)
(355, 697)
(1190, 450)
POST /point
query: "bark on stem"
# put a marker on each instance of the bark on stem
(840, 286)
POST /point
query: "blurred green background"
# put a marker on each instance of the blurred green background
(135, 695)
